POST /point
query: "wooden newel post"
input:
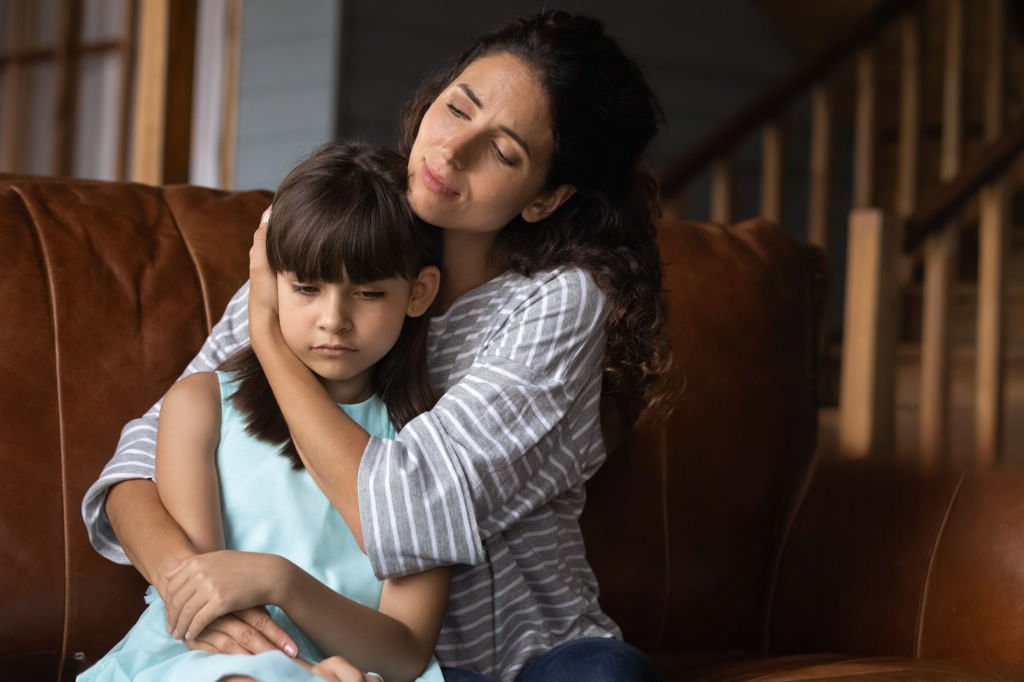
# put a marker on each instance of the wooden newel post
(867, 383)
(162, 124)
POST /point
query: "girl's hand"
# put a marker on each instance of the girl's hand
(262, 280)
(337, 669)
(249, 631)
(208, 586)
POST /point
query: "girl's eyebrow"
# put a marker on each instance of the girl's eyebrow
(505, 129)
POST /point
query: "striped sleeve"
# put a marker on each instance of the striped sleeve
(135, 456)
(496, 447)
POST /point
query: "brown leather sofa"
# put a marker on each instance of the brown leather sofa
(722, 546)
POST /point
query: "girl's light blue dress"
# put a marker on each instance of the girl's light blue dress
(266, 506)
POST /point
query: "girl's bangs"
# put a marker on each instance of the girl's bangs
(356, 244)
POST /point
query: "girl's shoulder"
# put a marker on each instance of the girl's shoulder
(198, 387)
(193, 403)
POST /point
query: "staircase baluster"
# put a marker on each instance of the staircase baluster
(864, 131)
(992, 241)
(820, 194)
(772, 170)
(22, 17)
(910, 115)
(723, 190)
(866, 394)
(940, 251)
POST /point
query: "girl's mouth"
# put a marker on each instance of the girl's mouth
(332, 351)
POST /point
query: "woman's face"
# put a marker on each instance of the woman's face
(483, 149)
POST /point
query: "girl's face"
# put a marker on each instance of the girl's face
(341, 330)
(483, 150)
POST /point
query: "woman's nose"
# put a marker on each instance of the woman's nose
(457, 148)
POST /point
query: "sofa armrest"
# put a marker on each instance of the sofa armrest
(888, 561)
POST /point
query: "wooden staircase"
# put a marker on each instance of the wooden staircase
(923, 102)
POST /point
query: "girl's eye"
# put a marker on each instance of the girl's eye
(508, 161)
(305, 289)
(458, 113)
(369, 294)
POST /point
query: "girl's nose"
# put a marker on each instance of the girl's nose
(334, 317)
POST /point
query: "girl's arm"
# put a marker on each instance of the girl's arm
(125, 500)
(187, 482)
(395, 641)
(186, 459)
(113, 519)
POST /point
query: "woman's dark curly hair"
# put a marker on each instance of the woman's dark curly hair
(603, 116)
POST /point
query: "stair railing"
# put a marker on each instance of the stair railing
(931, 232)
(766, 113)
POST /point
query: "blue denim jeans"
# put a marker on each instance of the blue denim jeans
(594, 659)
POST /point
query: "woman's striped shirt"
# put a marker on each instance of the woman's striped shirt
(490, 480)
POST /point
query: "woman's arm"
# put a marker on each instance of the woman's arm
(395, 641)
(329, 442)
(519, 429)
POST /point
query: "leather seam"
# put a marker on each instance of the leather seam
(815, 302)
(52, 292)
(204, 290)
(931, 564)
(801, 498)
(666, 539)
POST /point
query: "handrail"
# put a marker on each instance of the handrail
(946, 199)
(771, 102)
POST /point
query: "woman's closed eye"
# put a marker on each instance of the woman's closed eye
(458, 113)
(502, 157)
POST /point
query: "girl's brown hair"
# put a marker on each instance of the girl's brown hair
(340, 214)
(603, 116)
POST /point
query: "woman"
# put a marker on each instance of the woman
(525, 153)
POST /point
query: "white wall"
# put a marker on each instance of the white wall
(316, 69)
(704, 59)
(289, 77)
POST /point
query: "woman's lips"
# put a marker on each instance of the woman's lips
(435, 182)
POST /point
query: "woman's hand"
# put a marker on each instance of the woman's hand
(262, 280)
(207, 586)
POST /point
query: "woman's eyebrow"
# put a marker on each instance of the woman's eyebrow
(471, 95)
(505, 129)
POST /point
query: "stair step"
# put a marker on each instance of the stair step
(961, 437)
(964, 314)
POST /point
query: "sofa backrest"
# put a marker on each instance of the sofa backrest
(683, 521)
(108, 289)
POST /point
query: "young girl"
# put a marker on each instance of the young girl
(356, 272)
(527, 152)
